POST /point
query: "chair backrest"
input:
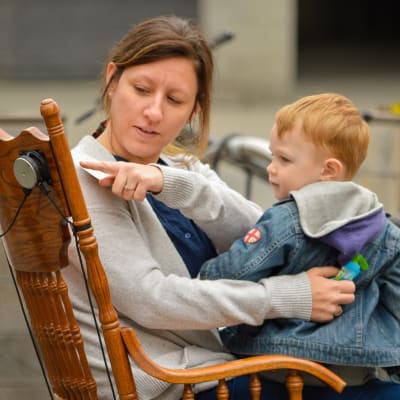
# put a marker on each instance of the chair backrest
(40, 204)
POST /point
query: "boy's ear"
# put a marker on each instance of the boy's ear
(333, 170)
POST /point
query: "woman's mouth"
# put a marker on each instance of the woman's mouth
(146, 131)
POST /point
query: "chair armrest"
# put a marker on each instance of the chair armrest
(244, 366)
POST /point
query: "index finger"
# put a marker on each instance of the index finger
(110, 167)
(99, 169)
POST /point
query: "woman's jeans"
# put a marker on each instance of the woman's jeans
(372, 390)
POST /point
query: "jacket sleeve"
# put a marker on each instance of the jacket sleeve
(262, 252)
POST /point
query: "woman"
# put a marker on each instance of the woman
(157, 79)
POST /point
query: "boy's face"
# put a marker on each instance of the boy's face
(296, 162)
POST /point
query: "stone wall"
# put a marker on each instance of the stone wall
(69, 39)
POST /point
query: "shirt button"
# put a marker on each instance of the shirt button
(188, 235)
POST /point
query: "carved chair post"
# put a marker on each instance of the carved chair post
(88, 245)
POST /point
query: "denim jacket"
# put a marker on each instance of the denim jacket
(367, 334)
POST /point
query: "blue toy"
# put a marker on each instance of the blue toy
(352, 268)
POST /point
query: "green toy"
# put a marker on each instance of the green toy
(352, 268)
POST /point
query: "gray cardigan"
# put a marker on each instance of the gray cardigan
(174, 316)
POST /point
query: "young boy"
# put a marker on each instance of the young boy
(321, 218)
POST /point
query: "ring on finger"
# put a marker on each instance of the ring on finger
(338, 312)
(126, 187)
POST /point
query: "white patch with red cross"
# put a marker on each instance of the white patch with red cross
(252, 236)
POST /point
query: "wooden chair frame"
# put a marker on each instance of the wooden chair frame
(37, 250)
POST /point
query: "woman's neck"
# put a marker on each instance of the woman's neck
(105, 138)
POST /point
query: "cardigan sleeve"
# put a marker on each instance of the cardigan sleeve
(199, 193)
(150, 285)
(149, 282)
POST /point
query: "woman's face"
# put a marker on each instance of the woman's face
(150, 104)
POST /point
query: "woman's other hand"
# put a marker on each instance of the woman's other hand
(328, 295)
(128, 180)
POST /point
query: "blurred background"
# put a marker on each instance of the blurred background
(281, 50)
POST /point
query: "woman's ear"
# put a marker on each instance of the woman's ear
(333, 170)
(195, 111)
(110, 71)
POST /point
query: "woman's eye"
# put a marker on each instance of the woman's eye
(174, 100)
(141, 89)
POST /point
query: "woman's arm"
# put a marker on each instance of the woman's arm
(196, 190)
(147, 286)
(199, 193)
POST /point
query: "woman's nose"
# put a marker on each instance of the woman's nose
(154, 111)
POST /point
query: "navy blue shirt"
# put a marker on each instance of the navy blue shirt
(191, 242)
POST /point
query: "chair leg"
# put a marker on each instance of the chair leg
(222, 390)
(255, 387)
(294, 385)
(187, 392)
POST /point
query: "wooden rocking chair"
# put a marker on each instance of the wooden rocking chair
(40, 196)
